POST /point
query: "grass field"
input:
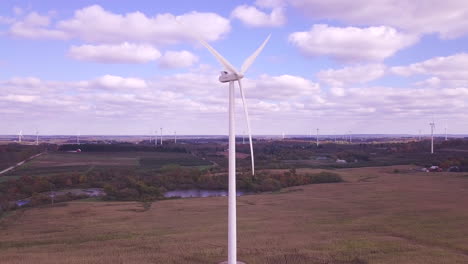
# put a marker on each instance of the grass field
(376, 216)
(66, 162)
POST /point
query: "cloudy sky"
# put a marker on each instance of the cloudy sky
(127, 67)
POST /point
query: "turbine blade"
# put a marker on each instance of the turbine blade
(228, 66)
(225, 63)
(248, 62)
(246, 112)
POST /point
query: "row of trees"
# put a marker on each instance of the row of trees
(128, 184)
(11, 154)
(121, 147)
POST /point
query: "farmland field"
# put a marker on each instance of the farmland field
(66, 162)
(378, 215)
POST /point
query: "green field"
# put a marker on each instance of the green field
(68, 162)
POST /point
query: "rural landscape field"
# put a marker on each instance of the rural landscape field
(372, 214)
(234, 132)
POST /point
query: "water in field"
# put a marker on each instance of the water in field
(199, 193)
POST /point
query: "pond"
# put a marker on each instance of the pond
(200, 193)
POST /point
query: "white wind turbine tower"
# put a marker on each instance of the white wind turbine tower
(37, 137)
(78, 138)
(446, 130)
(20, 136)
(175, 137)
(317, 137)
(155, 137)
(161, 135)
(283, 135)
(231, 75)
(432, 124)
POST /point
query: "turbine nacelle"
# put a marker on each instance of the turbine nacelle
(230, 77)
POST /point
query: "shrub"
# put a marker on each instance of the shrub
(269, 185)
(324, 177)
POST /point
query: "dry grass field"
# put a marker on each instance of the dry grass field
(376, 216)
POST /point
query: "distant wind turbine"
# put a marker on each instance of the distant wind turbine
(78, 138)
(37, 137)
(446, 131)
(175, 137)
(155, 137)
(317, 137)
(231, 75)
(432, 124)
(161, 136)
(20, 136)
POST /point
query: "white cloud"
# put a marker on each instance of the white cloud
(282, 87)
(122, 53)
(117, 82)
(19, 98)
(177, 59)
(447, 18)
(430, 82)
(94, 24)
(448, 71)
(351, 44)
(351, 75)
(198, 97)
(6, 20)
(34, 26)
(251, 16)
(270, 3)
(450, 67)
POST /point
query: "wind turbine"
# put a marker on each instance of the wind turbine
(432, 124)
(446, 130)
(350, 137)
(231, 75)
(161, 135)
(20, 136)
(37, 137)
(78, 138)
(155, 137)
(175, 137)
(317, 137)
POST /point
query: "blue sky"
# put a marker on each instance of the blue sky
(126, 67)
